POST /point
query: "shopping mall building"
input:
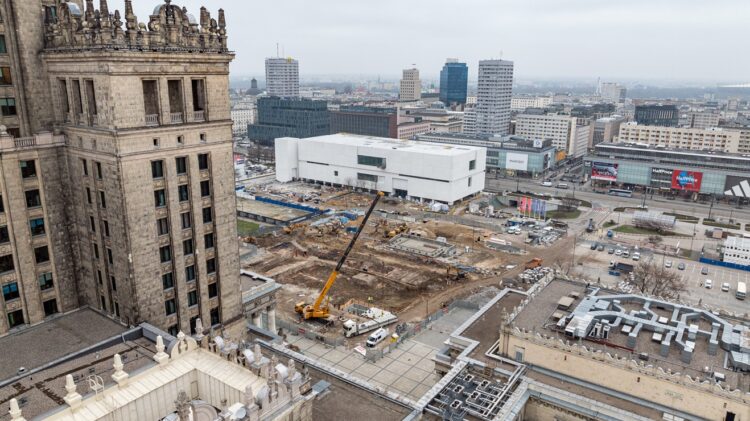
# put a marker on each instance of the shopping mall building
(667, 171)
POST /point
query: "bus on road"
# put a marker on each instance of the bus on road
(741, 291)
(620, 193)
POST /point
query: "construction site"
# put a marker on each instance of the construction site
(408, 260)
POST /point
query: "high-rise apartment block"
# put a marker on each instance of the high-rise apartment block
(454, 79)
(569, 134)
(117, 183)
(494, 92)
(657, 115)
(411, 86)
(282, 77)
(289, 117)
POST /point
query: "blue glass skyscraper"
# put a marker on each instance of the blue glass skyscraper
(454, 79)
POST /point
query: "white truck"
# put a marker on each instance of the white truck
(377, 318)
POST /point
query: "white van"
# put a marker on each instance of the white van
(377, 337)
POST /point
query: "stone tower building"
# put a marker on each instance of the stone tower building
(116, 163)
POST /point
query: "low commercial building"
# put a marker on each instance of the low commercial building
(568, 133)
(670, 171)
(406, 169)
(364, 120)
(408, 130)
(712, 139)
(737, 250)
(657, 115)
(283, 117)
(511, 155)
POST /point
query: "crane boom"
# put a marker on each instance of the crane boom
(340, 264)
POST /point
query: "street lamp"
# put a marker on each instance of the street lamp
(710, 208)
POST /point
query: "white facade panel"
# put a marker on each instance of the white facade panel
(286, 157)
(516, 161)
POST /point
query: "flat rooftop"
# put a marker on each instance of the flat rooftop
(269, 210)
(388, 143)
(660, 148)
(543, 311)
(55, 338)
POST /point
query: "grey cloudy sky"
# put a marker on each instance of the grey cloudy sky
(700, 40)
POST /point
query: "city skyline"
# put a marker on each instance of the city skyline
(664, 38)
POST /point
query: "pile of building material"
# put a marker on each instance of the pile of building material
(534, 275)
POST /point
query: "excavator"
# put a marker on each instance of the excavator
(319, 309)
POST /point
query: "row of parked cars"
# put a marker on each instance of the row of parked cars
(617, 251)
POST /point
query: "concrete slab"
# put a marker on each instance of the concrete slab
(334, 355)
(423, 350)
(366, 371)
(417, 374)
(419, 390)
(386, 377)
(404, 385)
(398, 367)
(426, 364)
(316, 350)
(350, 362)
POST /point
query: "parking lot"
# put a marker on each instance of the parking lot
(594, 265)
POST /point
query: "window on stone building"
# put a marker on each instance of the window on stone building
(110, 258)
(92, 223)
(10, 291)
(162, 226)
(50, 307)
(85, 165)
(208, 241)
(15, 318)
(103, 303)
(199, 94)
(98, 170)
(165, 254)
(207, 215)
(105, 224)
(188, 247)
(102, 200)
(203, 137)
(160, 198)
(88, 195)
(185, 220)
(96, 253)
(193, 321)
(167, 280)
(50, 14)
(4, 236)
(157, 169)
(170, 307)
(33, 198)
(215, 319)
(183, 193)
(45, 281)
(37, 226)
(151, 101)
(41, 254)
(3, 48)
(211, 265)
(5, 78)
(174, 89)
(190, 273)
(113, 283)
(2, 205)
(64, 100)
(8, 106)
(28, 169)
(213, 290)
(90, 97)
(77, 104)
(203, 161)
(181, 164)
(192, 298)
(205, 188)
(6, 263)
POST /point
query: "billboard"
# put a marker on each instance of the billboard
(516, 161)
(737, 186)
(687, 180)
(604, 171)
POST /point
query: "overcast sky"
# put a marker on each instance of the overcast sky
(691, 40)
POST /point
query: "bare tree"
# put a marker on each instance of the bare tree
(656, 280)
(568, 204)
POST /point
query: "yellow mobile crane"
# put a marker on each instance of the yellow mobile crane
(319, 310)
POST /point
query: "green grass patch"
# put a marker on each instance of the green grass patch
(630, 208)
(712, 223)
(629, 229)
(584, 203)
(245, 228)
(684, 218)
(609, 224)
(557, 214)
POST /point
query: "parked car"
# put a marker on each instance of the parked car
(618, 252)
(636, 256)
(681, 266)
(594, 245)
(547, 183)
(668, 264)
(725, 287)
(704, 271)
(611, 250)
(708, 284)
(600, 248)
(626, 253)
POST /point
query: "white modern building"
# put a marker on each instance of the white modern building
(523, 102)
(569, 134)
(612, 92)
(494, 94)
(411, 87)
(419, 171)
(737, 250)
(282, 77)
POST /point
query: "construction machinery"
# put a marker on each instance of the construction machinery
(319, 309)
(455, 273)
(533, 263)
(293, 227)
(394, 232)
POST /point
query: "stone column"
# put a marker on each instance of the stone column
(271, 315)
(256, 319)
